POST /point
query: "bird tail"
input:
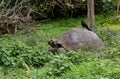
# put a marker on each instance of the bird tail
(89, 28)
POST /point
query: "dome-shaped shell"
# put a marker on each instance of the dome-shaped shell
(79, 38)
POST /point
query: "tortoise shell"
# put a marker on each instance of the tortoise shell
(79, 38)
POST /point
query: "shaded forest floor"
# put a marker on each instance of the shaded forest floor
(79, 64)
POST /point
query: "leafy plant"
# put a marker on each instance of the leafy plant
(20, 56)
(58, 65)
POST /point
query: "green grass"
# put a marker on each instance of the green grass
(114, 27)
(95, 69)
(102, 64)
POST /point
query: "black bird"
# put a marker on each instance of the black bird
(85, 25)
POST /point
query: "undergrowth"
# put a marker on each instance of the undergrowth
(25, 56)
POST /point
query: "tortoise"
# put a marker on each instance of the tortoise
(76, 38)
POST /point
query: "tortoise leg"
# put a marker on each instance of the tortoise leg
(61, 50)
(53, 50)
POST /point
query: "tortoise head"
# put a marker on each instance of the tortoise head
(54, 44)
(56, 47)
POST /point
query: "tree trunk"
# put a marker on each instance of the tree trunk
(91, 19)
(118, 6)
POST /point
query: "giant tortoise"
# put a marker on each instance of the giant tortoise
(76, 38)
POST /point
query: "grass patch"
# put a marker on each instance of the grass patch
(31, 49)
